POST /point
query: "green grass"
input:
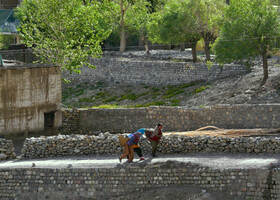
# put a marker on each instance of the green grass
(172, 91)
(154, 103)
(186, 85)
(175, 102)
(88, 100)
(72, 92)
(107, 106)
(110, 99)
(201, 89)
(101, 95)
(154, 95)
(155, 89)
(130, 96)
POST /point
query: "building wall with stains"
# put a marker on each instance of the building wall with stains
(30, 99)
(8, 4)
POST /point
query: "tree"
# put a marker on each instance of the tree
(66, 33)
(208, 13)
(176, 24)
(6, 41)
(131, 16)
(250, 29)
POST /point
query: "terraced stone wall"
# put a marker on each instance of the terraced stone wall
(6, 149)
(153, 72)
(108, 144)
(126, 182)
(125, 120)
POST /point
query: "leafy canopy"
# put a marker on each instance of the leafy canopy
(66, 33)
(250, 29)
(134, 13)
(207, 13)
(175, 23)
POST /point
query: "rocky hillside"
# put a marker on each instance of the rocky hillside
(243, 89)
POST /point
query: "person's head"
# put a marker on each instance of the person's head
(159, 126)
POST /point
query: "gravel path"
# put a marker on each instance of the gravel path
(215, 161)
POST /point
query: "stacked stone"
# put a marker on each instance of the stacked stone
(108, 144)
(70, 145)
(70, 121)
(111, 182)
(184, 144)
(6, 149)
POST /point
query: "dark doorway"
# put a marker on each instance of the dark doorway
(49, 120)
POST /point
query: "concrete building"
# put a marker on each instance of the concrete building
(9, 4)
(30, 99)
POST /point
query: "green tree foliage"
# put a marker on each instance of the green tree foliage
(249, 30)
(208, 13)
(176, 24)
(6, 41)
(131, 16)
(66, 33)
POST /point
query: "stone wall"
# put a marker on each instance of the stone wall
(20, 55)
(30, 98)
(127, 181)
(108, 144)
(124, 120)
(6, 149)
(150, 72)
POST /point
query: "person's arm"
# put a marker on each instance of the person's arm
(155, 132)
(160, 134)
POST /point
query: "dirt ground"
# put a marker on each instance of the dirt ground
(214, 131)
(242, 89)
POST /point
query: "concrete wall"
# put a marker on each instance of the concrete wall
(126, 120)
(26, 93)
(8, 4)
(120, 182)
(159, 72)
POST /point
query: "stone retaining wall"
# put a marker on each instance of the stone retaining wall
(125, 120)
(120, 182)
(159, 72)
(6, 149)
(25, 56)
(108, 144)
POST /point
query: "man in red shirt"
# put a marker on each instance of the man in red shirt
(154, 138)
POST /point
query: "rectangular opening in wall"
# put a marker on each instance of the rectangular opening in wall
(49, 120)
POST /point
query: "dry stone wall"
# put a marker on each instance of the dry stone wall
(150, 72)
(124, 120)
(120, 182)
(108, 144)
(6, 149)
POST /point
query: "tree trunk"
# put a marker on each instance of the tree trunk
(207, 49)
(265, 68)
(193, 46)
(123, 41)
(169, 46)
(182, 47)
(147, 50)
(123, 34)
